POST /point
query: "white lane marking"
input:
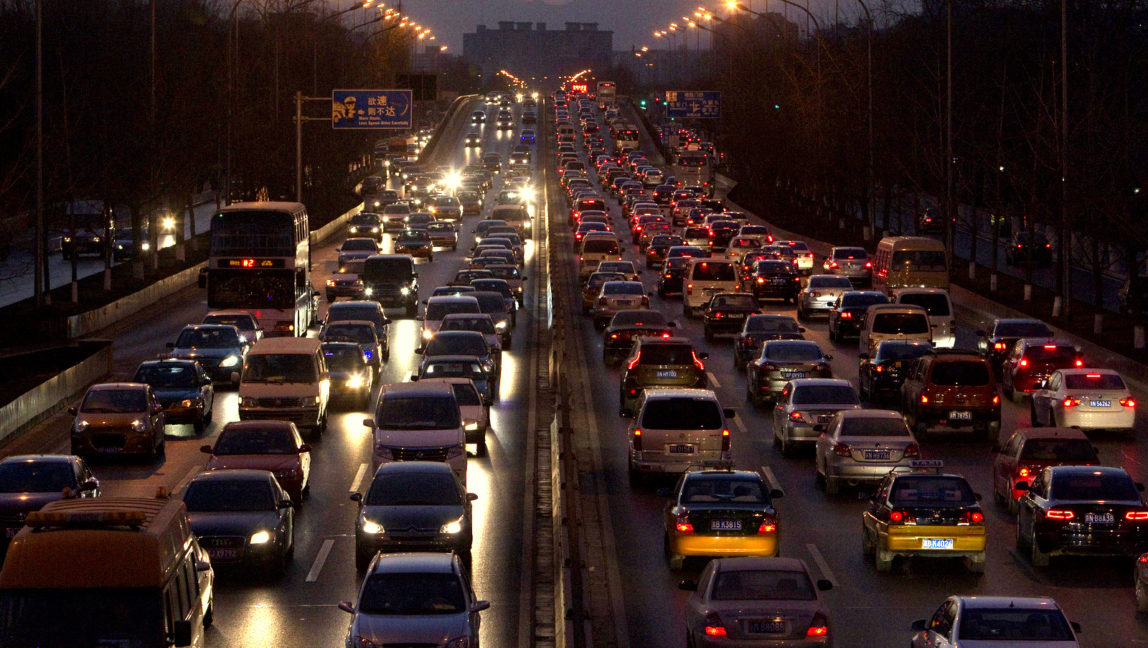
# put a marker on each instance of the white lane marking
(713, 379)
(192, 472)
(358, 481)
(771, 478)
(320, 559)
(821, 564)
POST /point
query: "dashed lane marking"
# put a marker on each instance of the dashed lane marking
(821, 564)
(320, 560)
(358, 480)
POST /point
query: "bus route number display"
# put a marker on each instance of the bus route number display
(254, 264)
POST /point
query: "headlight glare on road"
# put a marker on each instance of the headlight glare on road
(260, 537)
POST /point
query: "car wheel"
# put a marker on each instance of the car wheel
(832, 335)
(481, 449)
(976, 563)
(200, 423)
(1021, 539)
(1034, 420)
(1039, 558)
(1141, 597)
(868, 547)
(832, 486)
(883, 560)
(783, 443)
(863, 388)
(635, 476)
(675, 561)
(210, 413)
(362, 559)
(737, 361)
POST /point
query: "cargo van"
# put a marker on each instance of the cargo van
(704, 278)
(677, 428)
(893, 322)
(286, 379)
(517, 216)
(936, 302)
(391, 280)
(596, 248)
(106, 571)
(909, 262)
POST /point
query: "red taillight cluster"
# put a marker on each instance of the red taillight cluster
(1128, 402)
(767, 526)
(637, 438)
(1070, 402)
(999, 346)
(972, 517)
(1136, 516)
(713, 627)
(842, 450)
(902, 517)
(725, 440)
(846, 315)
(697, 361)
(818, 627)
(682, 523)
(912, 450)
(1059, 514)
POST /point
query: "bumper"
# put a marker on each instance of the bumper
(854, 472)
(423, 251)
(818, 305)
(909, 540)
(113, 442)
(850, 327)
(801, 434)
(344, 291)
(958, 417)
(724, 326)
(764, 544)
(177, 413)
(303, 416)
(1085, 543)
(1118, 418)
(764, 641)
(774, 292)
(663, 462)
(391, 543)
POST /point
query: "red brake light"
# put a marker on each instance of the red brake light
(868, 264)
(1050, 347)
(637, 438)
(818, 627)
(924, 399)
(767, 527)
(1024, 362)
(725, 440)
(996, 399)
(1023, 472)
(1091, 375)
(842, 450)
(998, 346)
(1070, 402)
(1136, 516)
(714, 628)
(1079, 363)
(846, 315)
(1059, 514)
(896, 516)
(912, 450)
(973, 517)
(698, 361)
(795, 416)
(683, 524)
(1128, 402)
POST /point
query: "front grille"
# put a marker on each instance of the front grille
(280, 402)
(221, 542)
(419, 454)
(108, 440)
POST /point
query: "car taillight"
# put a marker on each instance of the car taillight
(749, 340)
(613, 336)
(761, 280)
(601, 301)
(767, 526)
(645, 301)
(912, 450)
(713, 627)
(667, 276)
(689, 289)
(999, 346)
(1136, 516)
(1070, 402)
(697, 361)
(842, 450)
(846, 315)
(1128, 402)
(868, 264)
(1079, 363)
(795, 416)
(973, 517)
(1023, 471)
(924, 399)
(1059, 514)
(818, 627)
(717, 314)
(637, 438)
(725, 440)
(902, 517)
(1023, 363)
(996, 399)
(682, 524)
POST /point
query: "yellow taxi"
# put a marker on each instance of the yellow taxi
(921, 511)
(716, 512)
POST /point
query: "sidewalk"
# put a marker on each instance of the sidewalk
(17, 272)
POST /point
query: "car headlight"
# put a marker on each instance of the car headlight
(139, 425)
(500, 325)
(356, 381)
(187, 402)
(145, 246)
(260, 537)
(311, 401)
(95, 239)
(330, 284)
(375, 230)
(404, 291)
(427, 334)
(168, 223)
(230, 361)
(248, 402)
(472, 426)
(370, 526)
(453, 527)
(368, 291)
(80, 426)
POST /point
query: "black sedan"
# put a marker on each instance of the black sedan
(759, 329)
(881, 376)
(618, 338)
(28, 482)
(998, 342)
(726, 313)
(415, 242)
(670, 279)
(848, 312)
(242, 517)
(1017, 250)
(413, 506)
(723, 231)
(1082, 510)
(182, 389)
(659, 245)
(775, 279)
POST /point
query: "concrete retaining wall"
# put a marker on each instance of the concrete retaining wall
(53, 394)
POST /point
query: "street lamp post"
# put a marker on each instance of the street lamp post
(869, 172)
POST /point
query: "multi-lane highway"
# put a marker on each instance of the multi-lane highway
(868, 609)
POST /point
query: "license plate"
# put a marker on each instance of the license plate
(109, 450)
(736, 316)
(875, 455)
(823, 419)
(681, 448)
(624, 302)
(960, 416)
(1106, 403)
(223, 554)
(667, 373)
(1099, 518)
(936, 543)
(725, 525)
(793, 374)
(766, 627)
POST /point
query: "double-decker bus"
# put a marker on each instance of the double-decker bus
(607, 93)
(260, 262)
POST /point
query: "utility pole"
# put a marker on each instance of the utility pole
(1065, 238)
(950, 210)
(40, 277)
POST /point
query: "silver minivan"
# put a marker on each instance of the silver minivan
(893, 322)
(704, 278)
(419, 421)
(677, 428)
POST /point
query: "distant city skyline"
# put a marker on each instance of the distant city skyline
(632, 21)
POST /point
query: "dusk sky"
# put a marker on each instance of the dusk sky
(632, 21)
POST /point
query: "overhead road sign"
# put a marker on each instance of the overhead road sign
(371, 109)
(693, 104)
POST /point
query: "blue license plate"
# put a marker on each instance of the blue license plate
(1100, 403)
(681, 448)
(875, 455)
(937, 543)
(960, 416)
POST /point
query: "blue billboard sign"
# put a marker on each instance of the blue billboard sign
(693, 104)
(371, 109)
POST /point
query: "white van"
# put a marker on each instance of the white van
(286, 379)
(596, 248)
(419, 421)
(704, 278)
(893, 322)
(677, 428)
(940, 308)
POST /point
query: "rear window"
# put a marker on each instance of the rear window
(666, 354)
(388, 268)
(1014, 624)
(772, 325)
(792, 352)
(1059, 450)
(774, 267)
(762, 585)
(1063, 356)
(682, 414)
(863, 300)
(829, 282)
(439, 310)
(936, 304)
(874, 427)
(1093, 486)
(599, 246)
(1022, 329)
(960, 373)
(817, 394)
(900, 323)
(1093, 381)
(712, 490)
(713, 271)
(850, 253)
(932, 490)
(431, 412)
(918, 260)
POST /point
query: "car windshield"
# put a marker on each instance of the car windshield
(743, 302)
(818, 394)
(1067, 451)
(362, 334)
(1094, 485)
(832, 281)
(279, 368)
(1104, 381)
(1008, 625)
(456, 343)
(207, 338)
(437, 310)
(850, 253)
(622, 288)
(865, 426)
(272, 439)
(772, 325)
(774, 267)
(241, 322)
(409, 594)
(936, 304)
(413, 236)
(762, 585)
(360, 245)
(406, 488)
(114, 401)
(342, 312)
(161, 376)
(369, 220)
(931, 490)
(799, 352)
(229, 496)
(36, 476)
(345, 358)
(431, 412)
(711, 490)
(480, 324)
(454, 369)
(713, 271)
(639, 318)
(900, 323)
(918, 260)
(902, 350)
(682, 413)
(466, 394)
(973, 372)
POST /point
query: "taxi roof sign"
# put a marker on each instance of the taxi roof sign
(926, 464)
(43, 519)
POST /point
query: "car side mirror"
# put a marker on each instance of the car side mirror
(918, 625)
(523, 278)
(800, 329)
(470, 497)
(688, 585)
(479, 606)
(824, 585)
(776, 493)
(205, 449)
(1022, 486)
(89, 485)
(369, 422)
(356, 497)
(828, 356)
(202, 565)
(728, 412)
(347, 607)
(414, 377)
(72, 411)
(234, 377)
(304, 448)
(420, 349)
(626, 413)
(977, 496)
(703, 356)
(286, 503)
(206, 380)
(386, 321)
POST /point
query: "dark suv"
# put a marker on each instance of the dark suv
(1034, 359)
(775, 279)
(997, 342)
(951, 388)
(659, 362)
(881, 376)
(391, 280)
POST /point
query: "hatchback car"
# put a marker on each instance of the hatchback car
(774, 279)
(951, 388)
(415, 599)
(413, 506)
(28, 482)
(351, 373)
(880, 377)
(274, 446)
(820, 294)
(756, 601)
(805, 406)
(848, 312)
(416, 243)
(659, 362)
(997, 342)
(861, 447)
(675, 429)
(759, 329)
(714, 513)
(726, 313)
(851, 262)
(616, 296)
(218, 348)
(988, 621)
(1028, 451)
(118, 419)
(781, 361)
(1032, 361)
(1085, 399)
(182, 388)
(628, 325)
(242, 518)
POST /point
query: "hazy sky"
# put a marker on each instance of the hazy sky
(632, 21)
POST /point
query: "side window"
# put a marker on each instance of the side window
(1012, 447)
(706, 577)
(950, 617)
(1054, 383)
(942, 621)
(1040, 486)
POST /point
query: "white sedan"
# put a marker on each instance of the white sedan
(1088, 399)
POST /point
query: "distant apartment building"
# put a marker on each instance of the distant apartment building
(529, 50)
